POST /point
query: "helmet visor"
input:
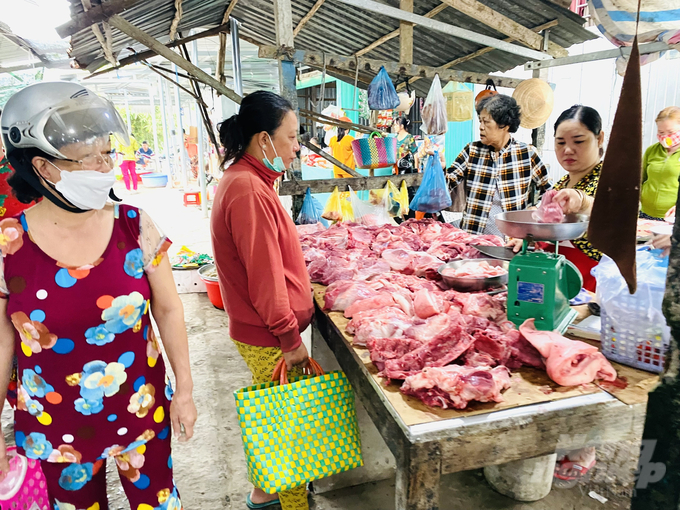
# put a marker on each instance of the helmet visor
(80, 126)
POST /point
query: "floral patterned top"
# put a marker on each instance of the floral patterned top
(588, 185)
(90, 375)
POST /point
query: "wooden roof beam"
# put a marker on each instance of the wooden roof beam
(143, 55)
(445, 28)
(97, 14)
(139, 35)
(483, 51)
(308, 16)
(349, 63)
(505, 25)
(395, 33)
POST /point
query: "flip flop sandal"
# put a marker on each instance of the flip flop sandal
(564, 473)
(255, 506)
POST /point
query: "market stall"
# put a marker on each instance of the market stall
(388, 318)
(536, 418)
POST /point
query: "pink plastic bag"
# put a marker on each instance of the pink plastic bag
(25, 487)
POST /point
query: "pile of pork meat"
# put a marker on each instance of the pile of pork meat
(448, 347)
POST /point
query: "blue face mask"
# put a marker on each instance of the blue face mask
(278, 165)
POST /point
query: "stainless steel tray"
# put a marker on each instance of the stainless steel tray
(475, 284)
(521, 225)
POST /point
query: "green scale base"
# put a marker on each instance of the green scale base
(540, 286)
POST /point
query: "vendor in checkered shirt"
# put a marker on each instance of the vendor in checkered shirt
(497, 170)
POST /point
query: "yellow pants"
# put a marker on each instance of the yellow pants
(261, 361)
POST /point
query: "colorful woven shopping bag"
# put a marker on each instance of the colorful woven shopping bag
(376, 151)
(298, 431)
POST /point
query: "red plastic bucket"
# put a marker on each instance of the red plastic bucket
(212, 286)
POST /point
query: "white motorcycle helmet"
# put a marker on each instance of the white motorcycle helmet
(51, 115)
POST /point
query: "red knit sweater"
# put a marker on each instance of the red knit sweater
(259, 261)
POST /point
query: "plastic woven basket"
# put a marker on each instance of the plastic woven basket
(626, 342)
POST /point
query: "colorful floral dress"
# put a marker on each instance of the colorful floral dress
(91, 380)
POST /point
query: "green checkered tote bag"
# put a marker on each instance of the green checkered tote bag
(298, 431)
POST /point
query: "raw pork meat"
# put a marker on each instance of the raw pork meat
(441, 350)
(480, 305)
(411, 262)
(427, 304)
(568, 362)
(454, 386)
(343, 293)
(480, 270)
(380, 300)
(548, 210)
(385, 349)
(388, 322)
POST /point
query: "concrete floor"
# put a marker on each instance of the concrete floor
(210, 470)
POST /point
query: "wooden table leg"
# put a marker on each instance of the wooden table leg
(418, 474)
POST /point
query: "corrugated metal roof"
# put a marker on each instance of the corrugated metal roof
(337, 28)
(16, 51)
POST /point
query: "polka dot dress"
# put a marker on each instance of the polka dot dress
(90, 376)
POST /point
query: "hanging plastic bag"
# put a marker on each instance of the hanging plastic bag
(403, 194)
(346, 208)
(368, 214)
(434, 110)
(311, 211)
(460, 102)
(634, 329)
(333, 210)
(433, 194)
(381, 92)
(397, 205)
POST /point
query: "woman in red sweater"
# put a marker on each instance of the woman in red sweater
(259, 260)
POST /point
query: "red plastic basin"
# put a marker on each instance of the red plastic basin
(213, 287)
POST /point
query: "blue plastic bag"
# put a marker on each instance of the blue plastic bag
(311, 211)
(433, 194)
(381, 92)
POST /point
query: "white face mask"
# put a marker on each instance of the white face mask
(85, 189)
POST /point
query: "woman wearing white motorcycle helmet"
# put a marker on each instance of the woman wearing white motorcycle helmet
(80, 277)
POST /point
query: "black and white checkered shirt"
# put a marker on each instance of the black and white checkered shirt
(511, 171)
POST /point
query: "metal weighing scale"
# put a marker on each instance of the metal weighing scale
(541, 284)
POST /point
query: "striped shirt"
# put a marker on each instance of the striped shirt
(511, 171)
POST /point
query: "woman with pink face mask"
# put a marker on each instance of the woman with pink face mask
(661, 167)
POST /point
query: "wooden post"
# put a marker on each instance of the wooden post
(395, 33)
(336, 62)
(151, 43)
(658, 475)
(419, 468)
(406, 34)
(283, 19)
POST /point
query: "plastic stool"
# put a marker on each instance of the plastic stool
(192, 198)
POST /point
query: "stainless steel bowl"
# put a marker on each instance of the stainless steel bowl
(475, 284)
(521, 225)
(203, 270)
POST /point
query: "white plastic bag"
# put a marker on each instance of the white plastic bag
(434, 110)
(369, 214)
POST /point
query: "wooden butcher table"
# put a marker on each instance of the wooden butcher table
(536, 418)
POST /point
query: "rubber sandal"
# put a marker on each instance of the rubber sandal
(255, 506)
(563, 477)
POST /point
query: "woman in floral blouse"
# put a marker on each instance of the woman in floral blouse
(80, 278)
